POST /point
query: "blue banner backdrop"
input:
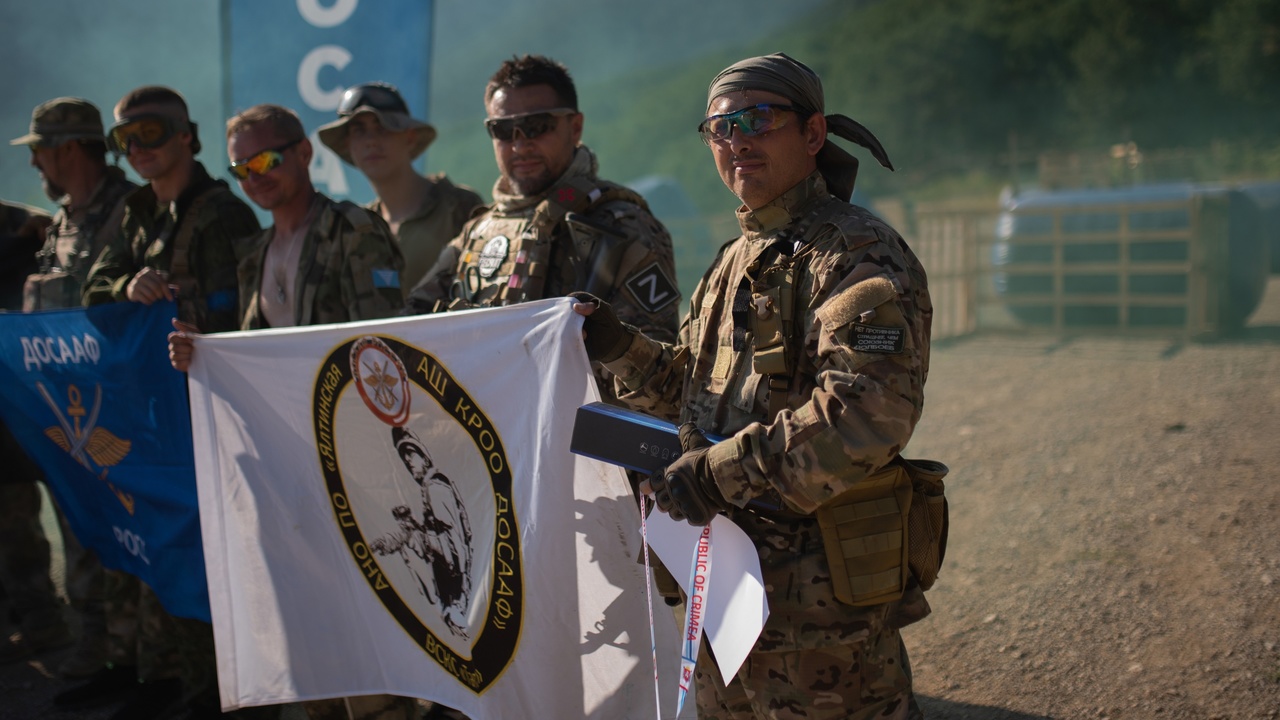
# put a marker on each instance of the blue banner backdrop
(304, 53)
(90, 395)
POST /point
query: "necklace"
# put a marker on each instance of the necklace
(288, 247)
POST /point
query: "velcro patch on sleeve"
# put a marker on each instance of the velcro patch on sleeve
(651, 288)
(848, 304)
(876, 339)
(386, 278)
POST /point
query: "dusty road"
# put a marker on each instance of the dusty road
(1115, 541)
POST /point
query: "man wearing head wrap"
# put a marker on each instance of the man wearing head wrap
(806, 347)
(375, 132)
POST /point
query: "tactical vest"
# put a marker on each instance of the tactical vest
(515, 258)
(190, 303)
(888, 527)
(55, 286)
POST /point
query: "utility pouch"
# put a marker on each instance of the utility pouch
(770, 345)
(864, 533)
(927, 520)
(51, 290)
(891, 526)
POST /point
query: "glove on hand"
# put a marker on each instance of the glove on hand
(605, 336)
(685, 489)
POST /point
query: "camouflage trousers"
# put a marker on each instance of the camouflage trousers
(25, 557)
(364, 707)
(86, 582)
(141, 633)
(817, 658)
(858, 682)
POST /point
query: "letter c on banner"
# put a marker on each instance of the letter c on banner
(326, 17)
(309, 88)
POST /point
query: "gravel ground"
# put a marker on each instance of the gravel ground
(1115, 549)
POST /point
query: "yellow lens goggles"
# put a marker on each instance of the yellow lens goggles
(145, 131)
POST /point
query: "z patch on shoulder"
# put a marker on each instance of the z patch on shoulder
(386, 278)
(652, 289)
(876, 339)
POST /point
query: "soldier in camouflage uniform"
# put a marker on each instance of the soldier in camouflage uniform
(321, 262)
(807, 347)
(186, 230)
(555, 227)
(376, 133)
(24, 549)
(69, 151)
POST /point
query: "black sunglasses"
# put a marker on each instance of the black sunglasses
(530, 125)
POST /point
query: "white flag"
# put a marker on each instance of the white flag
(392, 507)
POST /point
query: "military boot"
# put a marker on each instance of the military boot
(155, 699)
(106, 686)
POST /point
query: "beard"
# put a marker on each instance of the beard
(52, 190)
(530, 186)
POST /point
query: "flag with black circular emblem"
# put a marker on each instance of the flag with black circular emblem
(391, 507)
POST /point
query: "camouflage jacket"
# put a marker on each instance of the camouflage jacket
(76, 237)
(859, 345)
(21, 237)
(625, 257)
(445, 208)
(349, 269)
(216, 227)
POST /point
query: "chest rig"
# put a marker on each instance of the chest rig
(765, 306)
(551, 251)
(170, 251)
(58, 286)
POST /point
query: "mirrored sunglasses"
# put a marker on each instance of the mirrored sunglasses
(530, 125)
(378, 96)
(260, 164)
(750, 121)
(144, 131)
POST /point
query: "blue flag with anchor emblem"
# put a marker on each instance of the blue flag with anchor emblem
(90, 395)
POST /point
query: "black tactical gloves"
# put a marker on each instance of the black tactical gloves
(607, 337)
(685, 489)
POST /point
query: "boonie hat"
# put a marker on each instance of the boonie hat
(385, 102)
(60, 120)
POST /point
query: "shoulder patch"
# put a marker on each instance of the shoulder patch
(651, 288)
(877, 339)
(847, 305)
(386, 278)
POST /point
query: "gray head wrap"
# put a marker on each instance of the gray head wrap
(793, 80)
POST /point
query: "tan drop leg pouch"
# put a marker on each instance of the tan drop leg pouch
(891, 524)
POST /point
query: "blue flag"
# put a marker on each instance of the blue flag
(90, 395)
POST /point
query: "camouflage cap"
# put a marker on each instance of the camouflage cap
(62, 119)
(385, 103)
